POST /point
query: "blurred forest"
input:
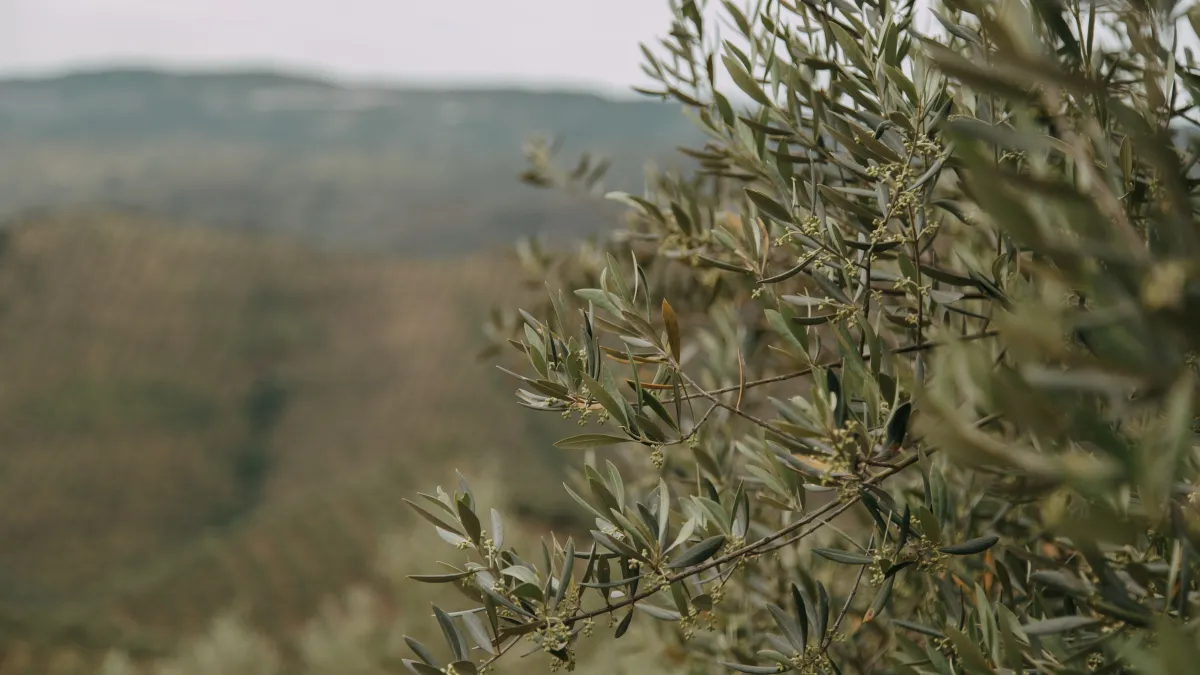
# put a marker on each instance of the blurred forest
(240, 316)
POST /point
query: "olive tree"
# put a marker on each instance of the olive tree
(899, 379)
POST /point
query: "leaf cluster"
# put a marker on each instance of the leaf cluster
(902, 376)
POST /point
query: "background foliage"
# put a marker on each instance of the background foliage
(162, 272)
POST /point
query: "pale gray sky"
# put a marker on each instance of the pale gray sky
(542, 41)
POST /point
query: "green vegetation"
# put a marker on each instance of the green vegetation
(899, 379)
(903, 381)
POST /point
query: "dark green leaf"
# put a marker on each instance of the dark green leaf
(801, 609)
(469, 520)
(770, 207)
(454, 637)
(672, 324)
(977, 545)
(437, 522)
(616, 545)
(930, 527)
(568, 569)
(881, 600)
(609, 400)
(698, 553)
(897, 425)
(624, 625)
(422, 652)
(905, 529)
(583, 441)
(844, 557)
(439, 578)
(839, 403)
(1059, 580)
(918, 628)
(753, 670)
(1059, 624)
(822, 611)
(969, 652)
(418, 668)
(789, 627)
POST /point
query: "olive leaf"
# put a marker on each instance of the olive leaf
(698, 553)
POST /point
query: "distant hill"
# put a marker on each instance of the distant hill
(164, 383)
(420, 171)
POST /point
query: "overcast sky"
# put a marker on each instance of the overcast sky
(586, 42)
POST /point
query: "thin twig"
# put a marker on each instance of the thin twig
(907, 349)
(733, 409)
(837, 623)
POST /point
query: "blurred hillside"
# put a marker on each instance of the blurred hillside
(410, 170)
(239, 315)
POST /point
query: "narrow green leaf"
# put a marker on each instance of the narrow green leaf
(568, 571)
(930, 526)
(679, 597)
(770, 207)
(745, 81)
(422, 652)
(440, 578)
(801, 611)
(520, 573)
(617, 546)
(469, 521)
(437, 522)
(834, 387)
(648, 400)
(822, 611)
(624, 625)
(607, 399)
(660, 613)
(497, 530)
(851, 47)
(789, 627)
(698, 553)
(454, 637)
(973, 546)
(897, 426)
(672, 324)
(968, 651)
(752, 670)
(452, 538)
(918, 628)
(1059, 624)
(721, 264)
(881, 600)
(583, 441)
(902, 82)
(844, 557)
(905, 528)
(478, 632)
(418, 668)
(598, 298)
